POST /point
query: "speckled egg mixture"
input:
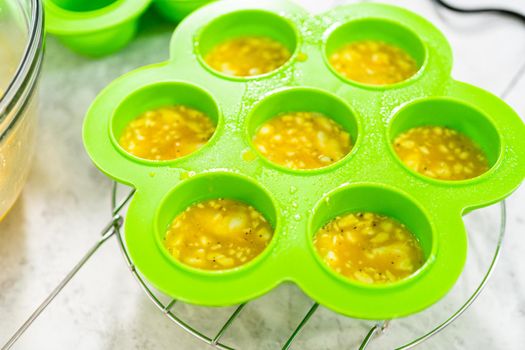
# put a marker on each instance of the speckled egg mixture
(248, 56)
(441, 153)
(167, 133)
(373, 62)
(369, 248)
(302, 140)
(218, 234)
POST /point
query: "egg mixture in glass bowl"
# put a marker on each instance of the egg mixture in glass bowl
(21, 51)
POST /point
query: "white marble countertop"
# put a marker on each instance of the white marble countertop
(66, 203)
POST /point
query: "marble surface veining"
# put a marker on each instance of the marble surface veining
(66, 203)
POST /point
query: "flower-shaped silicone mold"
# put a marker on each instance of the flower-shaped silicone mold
(101, 27)
(298, 203)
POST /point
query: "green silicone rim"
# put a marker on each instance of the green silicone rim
(152, 96)
(304, 99)
(491, 136)
(255, 22)
(198, 197)
(62, 21)
(97, 32)
(395, 33)
(101, 27)
(430, 252)
(370, 178)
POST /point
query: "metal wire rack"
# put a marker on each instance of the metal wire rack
(114, 228)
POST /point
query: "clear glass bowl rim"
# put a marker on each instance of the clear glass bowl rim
(23, 82)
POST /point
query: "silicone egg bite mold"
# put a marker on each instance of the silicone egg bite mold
(101, 27)
(298, 202)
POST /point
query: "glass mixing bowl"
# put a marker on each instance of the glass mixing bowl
(21, 51)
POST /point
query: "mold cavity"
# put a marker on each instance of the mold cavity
(247, 43)
(217, 222)
(444, 139)
(371, 234)
(374, 52)
(165, 121)
(83, 5)
(167, 133)
(302, 128)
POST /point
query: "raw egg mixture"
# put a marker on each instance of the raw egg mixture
(373, 62)
(167, 133)
(302, 140)
(248, 56)
(441, 153)
(369, 248)
(218, 234)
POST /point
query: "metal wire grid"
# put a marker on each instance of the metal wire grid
(113, 228)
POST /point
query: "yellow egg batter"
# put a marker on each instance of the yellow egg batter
(167, 133)
(302, 140)
(373, 62)
(218, 234)
(441, 153)
(248, 56)
(369, 248)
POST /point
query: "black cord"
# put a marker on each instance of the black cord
(498, 11)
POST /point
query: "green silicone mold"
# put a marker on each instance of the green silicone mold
(298, 203)
(100, 27)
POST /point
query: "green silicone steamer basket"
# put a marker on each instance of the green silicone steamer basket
(297, 203)
(100, 27)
